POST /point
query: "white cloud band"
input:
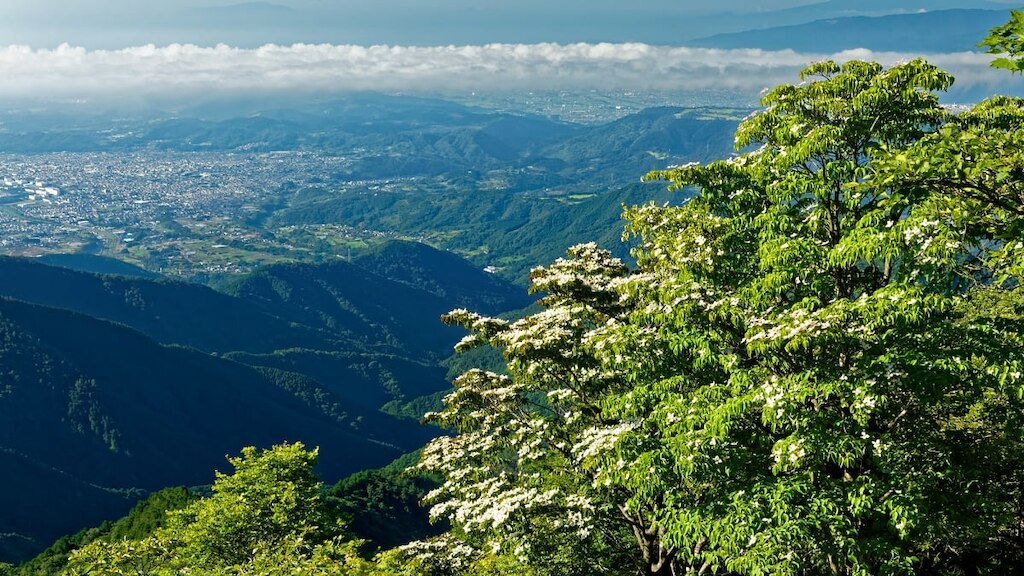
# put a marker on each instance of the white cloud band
(182, 70)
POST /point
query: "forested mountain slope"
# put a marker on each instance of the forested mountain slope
(111, 386)
(101, 405)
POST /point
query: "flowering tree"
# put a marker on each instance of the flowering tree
(814, 369)
(515, 485)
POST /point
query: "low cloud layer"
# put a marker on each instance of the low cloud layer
(185, 70)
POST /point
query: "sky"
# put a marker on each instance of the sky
(120, 23)
(105, 49)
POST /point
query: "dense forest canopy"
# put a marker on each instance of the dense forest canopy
(814, 368)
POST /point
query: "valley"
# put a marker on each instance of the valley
(203, 200)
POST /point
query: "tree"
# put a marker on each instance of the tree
(849, 370)
(514, 489)
(266, 518)
(814, 369)
(1009, 40)
(272, 495)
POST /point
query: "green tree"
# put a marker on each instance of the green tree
(265, 518)
(1007, 40)
(815, 368)
(272, 495)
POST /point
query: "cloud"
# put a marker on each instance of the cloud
(185, 70)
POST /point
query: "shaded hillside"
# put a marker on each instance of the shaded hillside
(445, 275)
(106, 406)
(168, 311)
(354, 311)
(142, 521)
(343, 298)
(36, 496)
(96, 264)
(368, 381)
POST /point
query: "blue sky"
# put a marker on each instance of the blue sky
(121, 23)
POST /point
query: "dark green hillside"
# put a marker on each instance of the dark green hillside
(383, 505)
(37, 495)
(269, 334)
(167, 311)
(616, 152)
(343, 298)
(96, 264)
(510, 231)
(445, 275)
(148, 515)
(106, 406)
(358, 379)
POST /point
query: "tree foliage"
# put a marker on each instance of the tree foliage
(814, 369)
(266, 518)
(1008, 41)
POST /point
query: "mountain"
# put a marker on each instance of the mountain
(366, 382)
(100, 400)
(171, 312)
(95, 405)
(624, 149)
(96, 264)
(370, 338)
(933, 31)
(553, 195)
(343, 298)
(746, 21)
(444, 275)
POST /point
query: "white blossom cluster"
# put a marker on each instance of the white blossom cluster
(773, 396)
(445, 550)
(588, 267)
(490, 503)
(548, 330)
(788, 326)
(597, 440)
(789, 452)
(482, 326)
(863, 401)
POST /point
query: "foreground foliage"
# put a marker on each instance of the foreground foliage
(142, 521)
(267, 518)
(815, 368)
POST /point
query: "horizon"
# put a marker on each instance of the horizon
(117, 53)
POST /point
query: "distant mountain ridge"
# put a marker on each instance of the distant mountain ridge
(940, 31)
(97, 265)
(169, 311)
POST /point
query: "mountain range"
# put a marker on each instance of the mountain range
(114, 386)
(953, 30)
